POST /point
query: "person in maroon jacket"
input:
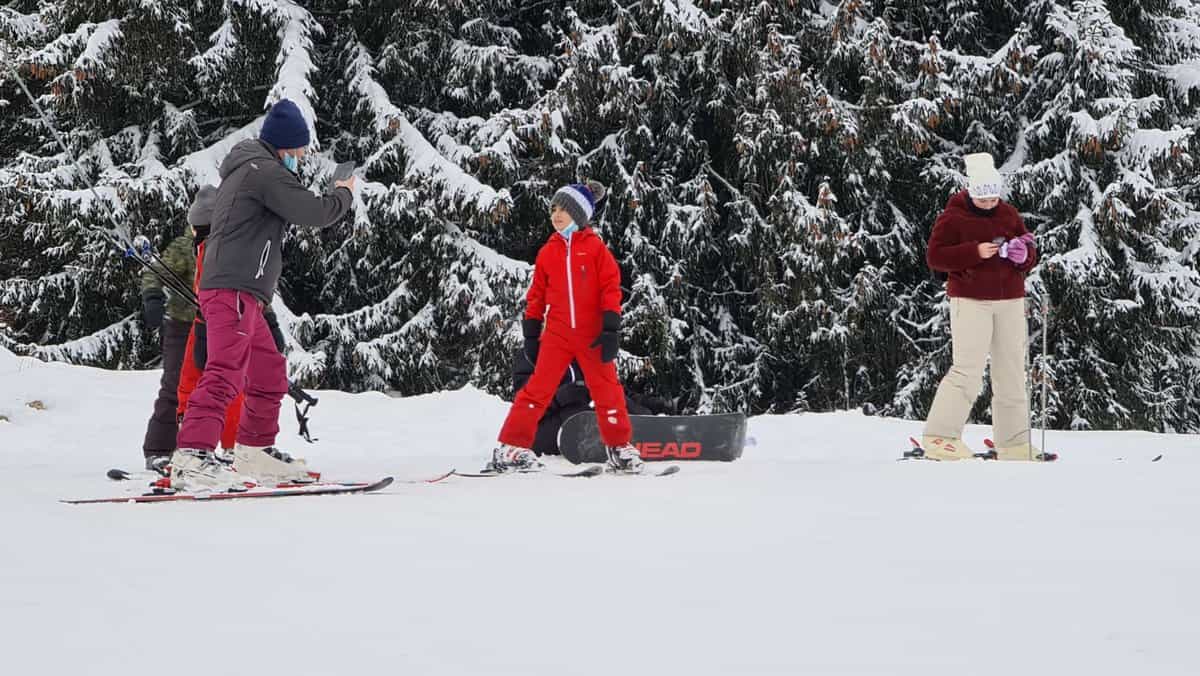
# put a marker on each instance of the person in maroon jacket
(981, 242)
(573, 312)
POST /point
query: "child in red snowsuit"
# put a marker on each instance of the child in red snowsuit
(573, 312)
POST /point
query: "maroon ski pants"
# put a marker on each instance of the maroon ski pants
(242, 357)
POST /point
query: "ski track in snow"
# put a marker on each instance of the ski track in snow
(815, 553)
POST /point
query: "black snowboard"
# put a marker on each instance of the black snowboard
(659, 437)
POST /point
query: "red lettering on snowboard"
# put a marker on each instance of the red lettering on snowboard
(653, 450)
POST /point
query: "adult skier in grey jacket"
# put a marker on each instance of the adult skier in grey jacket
(258, 196)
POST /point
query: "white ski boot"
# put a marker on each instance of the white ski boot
(945, 449)
(509, 458)
(195, 470)
(1024, 452)
(625, 459)
(272, 466)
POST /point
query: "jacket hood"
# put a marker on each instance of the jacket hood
(249, 150)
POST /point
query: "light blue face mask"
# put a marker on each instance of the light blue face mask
(566, 232)
(292, 164)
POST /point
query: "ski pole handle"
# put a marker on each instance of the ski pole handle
(142, 245)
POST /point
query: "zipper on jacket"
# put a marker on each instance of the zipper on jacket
(570, 285)
(262, 261)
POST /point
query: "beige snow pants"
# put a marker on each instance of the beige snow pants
(977, 328)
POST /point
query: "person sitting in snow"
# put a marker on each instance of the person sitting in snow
(573, 312)
(981, 242)
(259, 195)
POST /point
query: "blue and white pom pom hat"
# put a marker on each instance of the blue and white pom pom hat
(579, 200)
(983, 181)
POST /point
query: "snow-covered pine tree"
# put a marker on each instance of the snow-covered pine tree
(1109, 179)
(408, 297)
(65, 288)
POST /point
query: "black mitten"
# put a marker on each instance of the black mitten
(609, 340)
(154, 307)
(532, 330)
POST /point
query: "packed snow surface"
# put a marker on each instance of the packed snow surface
(815, 553)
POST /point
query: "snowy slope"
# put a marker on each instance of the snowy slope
(815, 553)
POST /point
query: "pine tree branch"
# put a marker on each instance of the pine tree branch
(736, 193)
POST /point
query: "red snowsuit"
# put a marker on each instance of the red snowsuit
(189, 375)
(574, 283)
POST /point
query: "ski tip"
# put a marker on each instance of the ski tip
(589, 471)
(668, 471)
(1156, 458)
(440, 477)
(914, 442)
(118, 474)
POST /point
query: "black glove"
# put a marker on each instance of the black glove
(532, 330)
(609, 340)
(276, 332)
(154, 306)
(199, 345)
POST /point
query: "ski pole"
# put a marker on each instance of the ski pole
(1045, 358)
(142, 248)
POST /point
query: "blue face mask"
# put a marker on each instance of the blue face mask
(566, 232)
(292, 164)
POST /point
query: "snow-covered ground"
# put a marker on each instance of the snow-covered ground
(816, 553)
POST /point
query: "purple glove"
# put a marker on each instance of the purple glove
(1017, 250)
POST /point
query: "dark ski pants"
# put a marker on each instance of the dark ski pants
(554, 356)
(161, 430)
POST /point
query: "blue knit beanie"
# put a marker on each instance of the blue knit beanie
(285, 127)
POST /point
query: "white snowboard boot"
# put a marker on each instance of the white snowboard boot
(625, 459)
(272, 466)
(195, 470)
(509, 458)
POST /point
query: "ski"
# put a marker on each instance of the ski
(485, 473)
(589, 471)
(310, 489)
(918, 453)
(117, 474)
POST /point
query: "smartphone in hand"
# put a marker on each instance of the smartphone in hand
(343, 171)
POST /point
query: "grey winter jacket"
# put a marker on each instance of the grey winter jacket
(257, 198)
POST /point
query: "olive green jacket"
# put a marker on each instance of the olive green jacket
(180, 259)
